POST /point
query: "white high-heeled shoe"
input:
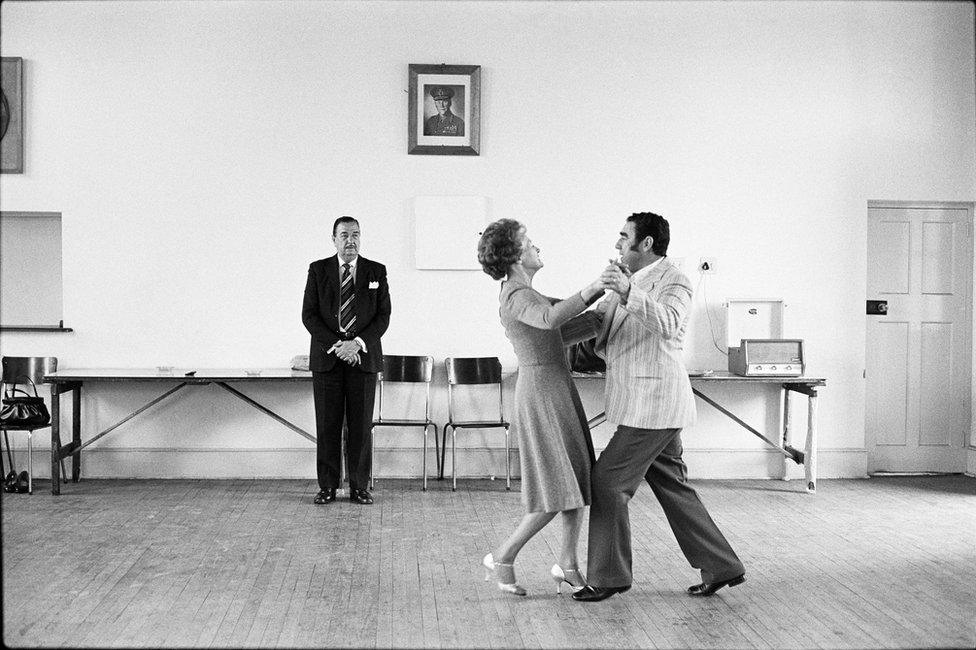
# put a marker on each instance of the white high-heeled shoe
(490, 570)
(560, 576)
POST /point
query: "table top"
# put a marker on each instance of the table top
(208, 375)
(168, 374)
(726, 376)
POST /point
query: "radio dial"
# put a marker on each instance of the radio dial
(772, 367)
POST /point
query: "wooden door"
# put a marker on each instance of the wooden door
(918, 353)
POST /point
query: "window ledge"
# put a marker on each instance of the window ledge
(35, 328)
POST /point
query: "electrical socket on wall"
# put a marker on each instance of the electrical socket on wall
(706, 265)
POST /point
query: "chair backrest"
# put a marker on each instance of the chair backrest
(407, 368)
(33, 367)
(474, 370)
(471, 371)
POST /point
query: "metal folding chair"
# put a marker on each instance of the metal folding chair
(406, 370)
(15, 369)
(467, 371)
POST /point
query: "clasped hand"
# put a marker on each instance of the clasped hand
(348, 351)
(616, 278)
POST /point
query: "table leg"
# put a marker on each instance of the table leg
(76, 434)
(811, 449)
(787, 430)
(55, 439)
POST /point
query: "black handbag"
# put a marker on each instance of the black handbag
(25, 412)
(583, 358)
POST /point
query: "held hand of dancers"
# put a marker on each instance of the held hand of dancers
(615, 261)
(592, 290)
(617, 278)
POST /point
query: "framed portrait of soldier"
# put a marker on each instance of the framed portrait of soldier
(12, 115)
(444, 110)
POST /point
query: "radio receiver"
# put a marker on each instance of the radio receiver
(767, 358)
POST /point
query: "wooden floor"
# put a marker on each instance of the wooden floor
(204, 563)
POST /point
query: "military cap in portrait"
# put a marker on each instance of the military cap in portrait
(442, 92)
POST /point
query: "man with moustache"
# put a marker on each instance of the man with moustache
(346, 310)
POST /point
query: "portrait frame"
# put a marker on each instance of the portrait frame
(12, 115)
(463, 84)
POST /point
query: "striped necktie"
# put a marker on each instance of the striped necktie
(347, 300)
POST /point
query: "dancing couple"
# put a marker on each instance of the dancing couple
(639, 326)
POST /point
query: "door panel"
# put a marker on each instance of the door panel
(888, 395)
(918, 354)
(937, 253)
(888, 271)
(936, 366)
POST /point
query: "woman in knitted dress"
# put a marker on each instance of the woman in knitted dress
(556, 451)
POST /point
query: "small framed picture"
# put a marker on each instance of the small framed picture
(12, 115)
(444, 110)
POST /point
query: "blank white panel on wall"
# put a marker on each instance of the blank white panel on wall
(447, 229)
(30, 269)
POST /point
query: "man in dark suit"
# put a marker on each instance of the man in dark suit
(346, 310)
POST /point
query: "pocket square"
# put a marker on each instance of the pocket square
(374, 284)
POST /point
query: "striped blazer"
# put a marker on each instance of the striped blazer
(647, 383)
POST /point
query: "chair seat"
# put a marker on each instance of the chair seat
(15, 428)
(477, 424)
(398, 423)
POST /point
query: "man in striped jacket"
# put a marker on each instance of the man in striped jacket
(642, 324)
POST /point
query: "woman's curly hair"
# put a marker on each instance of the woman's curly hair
(500, 247)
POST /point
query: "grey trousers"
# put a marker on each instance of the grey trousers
(654, 455)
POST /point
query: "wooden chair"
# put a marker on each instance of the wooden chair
(467, 371)
(15, 369)
(406, 370)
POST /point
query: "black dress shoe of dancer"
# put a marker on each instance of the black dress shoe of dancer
(325, 496)
(709, 588)
(362, 497)
(591, 594)
(10, 483)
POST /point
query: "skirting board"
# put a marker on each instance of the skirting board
(152, 462)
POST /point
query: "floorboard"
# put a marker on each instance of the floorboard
(876, 563)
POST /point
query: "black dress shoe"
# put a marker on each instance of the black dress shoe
(10, 483)
(709, 588)
(591, 594)
(362, 497)
(325, 496)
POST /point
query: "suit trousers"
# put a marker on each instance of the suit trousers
(344, 392)
(655, 455)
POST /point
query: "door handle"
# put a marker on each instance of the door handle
(877, 307)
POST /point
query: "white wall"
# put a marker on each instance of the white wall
(199, 152)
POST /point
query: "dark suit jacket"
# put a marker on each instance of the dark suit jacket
(320, 312)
